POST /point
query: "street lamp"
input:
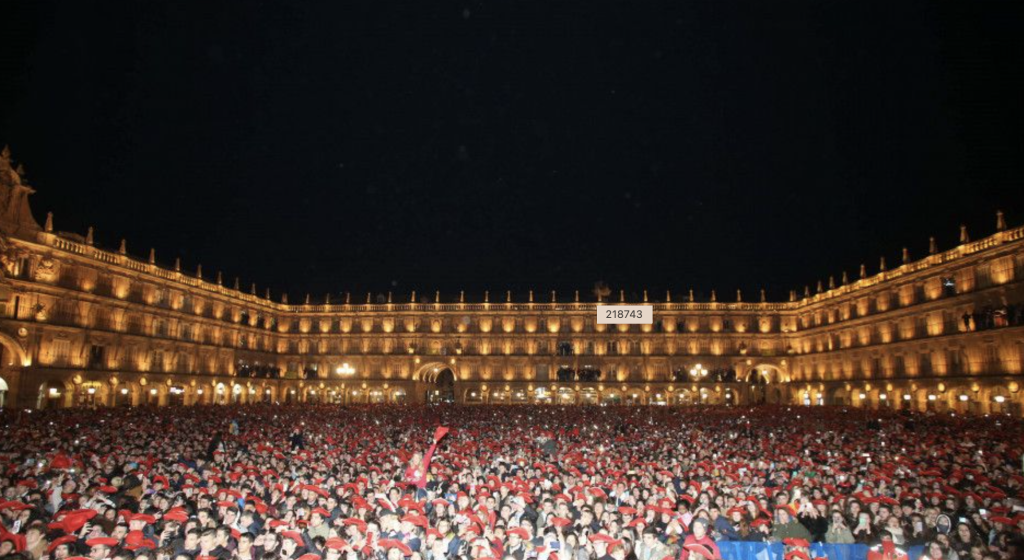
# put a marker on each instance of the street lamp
(345, 369)
(698, 371)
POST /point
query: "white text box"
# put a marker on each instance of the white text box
(625, 314)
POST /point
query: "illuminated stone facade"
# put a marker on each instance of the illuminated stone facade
(80, 325)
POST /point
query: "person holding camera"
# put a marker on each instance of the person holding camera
(838, 532)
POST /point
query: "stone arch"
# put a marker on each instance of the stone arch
(18, 356)
(55, 393)
(611, 396)
(840, 397)
(999, 399)
(683, 397)
(428, 373)
(125, 393)
(765, 371)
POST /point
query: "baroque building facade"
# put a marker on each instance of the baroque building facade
(84, 326)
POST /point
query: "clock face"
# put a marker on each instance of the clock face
(22, 332)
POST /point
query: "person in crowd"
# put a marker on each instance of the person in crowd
(838, 532)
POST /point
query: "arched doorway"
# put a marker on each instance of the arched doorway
(267, 395)
(12, 354)
(682, 398)
(51, 395)
(122, 396)
(758, 378)
(611, 397)
(90, 394)
(840, 397)
(12, 357)
(151, 396)
(730, 397)
(176, 395)
(443, 390)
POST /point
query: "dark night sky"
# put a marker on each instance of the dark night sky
(355, 146)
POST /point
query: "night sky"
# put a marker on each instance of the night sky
(439, 145)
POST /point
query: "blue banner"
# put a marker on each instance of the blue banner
(739, 550)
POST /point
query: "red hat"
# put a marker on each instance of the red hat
(137, 539)
(797, 555)
(796, 542)
(1001, 519)
(701, 549)
(19, 541)
(147, 519)
(417, 520)
(323, 512)
(72, 521)
(293, 535)
(334, 543)
(787, 508)
(626, 510)
(560, 521)
(601, 538)
(309, 556)
(102, 541)
(178, 516)
(388, 544)
(59, 541)
(359, 523)
(519, 532)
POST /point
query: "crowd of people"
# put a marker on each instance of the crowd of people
(302, 482)
(992, 317)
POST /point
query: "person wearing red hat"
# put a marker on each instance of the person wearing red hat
(318, 526)
(697, 551)
(519, 545)
(887, 550)
(61, 547)
(699, 536)
(100, 547)
(419, 465)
